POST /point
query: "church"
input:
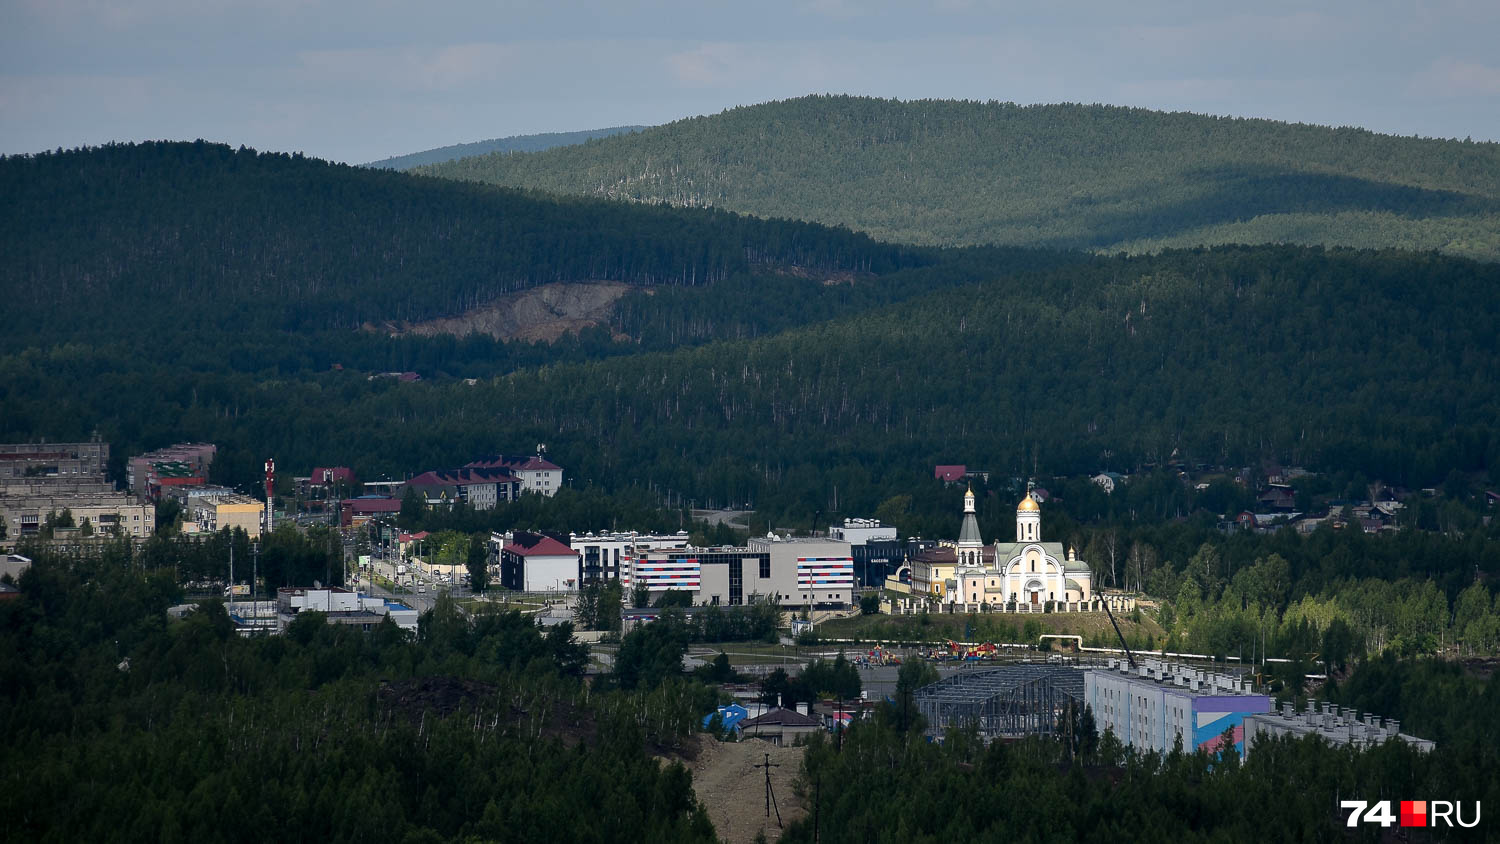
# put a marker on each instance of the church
(1027, 574)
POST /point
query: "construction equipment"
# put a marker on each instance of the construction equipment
(1128, 655)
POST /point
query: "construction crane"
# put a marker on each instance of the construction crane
(1128, 655)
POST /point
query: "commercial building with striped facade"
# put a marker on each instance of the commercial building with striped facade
(797, 572)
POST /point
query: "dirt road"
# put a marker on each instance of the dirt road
(733, 789)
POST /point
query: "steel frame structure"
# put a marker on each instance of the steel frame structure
(1008, 702)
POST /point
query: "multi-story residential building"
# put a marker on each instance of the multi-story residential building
(1334, 724)
(1155, 705)
(88, 460)
(536, 474)
(183, 464)
(479, 487)
(212, 513)
(107, 513)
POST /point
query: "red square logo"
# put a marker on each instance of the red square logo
(1413, 812)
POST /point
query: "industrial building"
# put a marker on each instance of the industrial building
(1334, 724)
(1008, 702)
(341, 606)
(1154, 705)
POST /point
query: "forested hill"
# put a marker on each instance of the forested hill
(1380, 364)
(162, 235)
(1100, 177)
(512, 143)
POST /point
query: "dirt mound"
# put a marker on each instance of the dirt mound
(541, 313)
(733, 790)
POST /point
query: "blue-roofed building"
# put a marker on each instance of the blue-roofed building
(731, 716)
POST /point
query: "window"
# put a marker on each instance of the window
(765, 567)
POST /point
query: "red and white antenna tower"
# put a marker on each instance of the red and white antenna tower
(270, 486)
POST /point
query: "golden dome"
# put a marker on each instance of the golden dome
(1028, 505)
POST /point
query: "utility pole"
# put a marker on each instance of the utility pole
(770, 794)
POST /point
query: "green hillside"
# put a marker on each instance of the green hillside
(509, 144)
(161, 292)
(1073, 176)
(165, 236)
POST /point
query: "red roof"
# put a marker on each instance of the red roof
(950, 473)
(536, 463)
(413, 537)
(514, 464)
(546, 547)
(461, 477)
(332, 475)
(373, 505)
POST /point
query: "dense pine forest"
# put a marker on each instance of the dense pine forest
(1073, 176)
(513, 143)
(123, 724)
(163, 237)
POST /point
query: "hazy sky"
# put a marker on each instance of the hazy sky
(356, 80)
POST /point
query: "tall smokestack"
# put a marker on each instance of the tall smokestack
(270, 487)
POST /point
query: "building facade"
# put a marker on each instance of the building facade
(817, 573)
(213, 513)
(609, 556)
(876, 551)
(534, 562)
(535, 474)
(1028, 571)
(183, 464)
(1333, 724)
(88, 460)
(480, 488)
(1156, 705)
(106, 514)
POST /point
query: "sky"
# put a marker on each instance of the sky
(359, 80)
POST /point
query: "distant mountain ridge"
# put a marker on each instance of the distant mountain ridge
(1106, 178)
(509, 144)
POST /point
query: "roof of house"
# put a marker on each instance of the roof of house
(334, 474)
(460, 477)
(542, 546)
(780, 718)
(950, 473)
(536, 464)
(514, 464)
(413, 537)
